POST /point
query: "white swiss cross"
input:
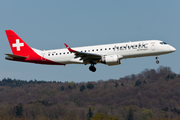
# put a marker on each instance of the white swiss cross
(17, 45)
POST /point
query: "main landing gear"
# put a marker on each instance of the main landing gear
(92, 68)
(157, 61)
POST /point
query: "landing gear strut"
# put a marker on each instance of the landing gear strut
(157, 61)
(92, 68)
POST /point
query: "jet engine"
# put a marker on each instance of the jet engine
(111, 59)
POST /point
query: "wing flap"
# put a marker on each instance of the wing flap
(86, 57)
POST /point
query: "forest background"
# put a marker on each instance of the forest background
(149, 95)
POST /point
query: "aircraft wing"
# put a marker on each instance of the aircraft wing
(86, 57)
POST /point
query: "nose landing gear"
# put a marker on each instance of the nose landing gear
(157, 61)
(92, 68)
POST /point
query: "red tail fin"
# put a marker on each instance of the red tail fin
(18, 46)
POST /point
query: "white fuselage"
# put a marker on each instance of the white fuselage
(125, 50)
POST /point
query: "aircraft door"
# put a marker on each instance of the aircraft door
(153, 46)
(43, 57)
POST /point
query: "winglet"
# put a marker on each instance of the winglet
(70, 50)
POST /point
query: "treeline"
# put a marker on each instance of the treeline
(17, 83)
(149, 95)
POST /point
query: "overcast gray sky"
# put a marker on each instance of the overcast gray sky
(45, 24)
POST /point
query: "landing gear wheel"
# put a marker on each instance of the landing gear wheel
(92, 68)
(157, 61)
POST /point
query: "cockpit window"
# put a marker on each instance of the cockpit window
(163, 43)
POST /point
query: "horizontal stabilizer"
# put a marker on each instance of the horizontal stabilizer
(11, 57)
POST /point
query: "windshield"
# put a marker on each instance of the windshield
(163, 43)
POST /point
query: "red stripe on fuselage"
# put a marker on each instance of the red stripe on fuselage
(33, 57)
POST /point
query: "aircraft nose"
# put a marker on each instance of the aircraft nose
(172, 49)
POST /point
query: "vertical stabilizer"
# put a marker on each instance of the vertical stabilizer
(18, 46)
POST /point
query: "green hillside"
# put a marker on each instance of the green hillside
(149, 95)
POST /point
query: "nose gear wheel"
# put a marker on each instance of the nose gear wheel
(157, 61)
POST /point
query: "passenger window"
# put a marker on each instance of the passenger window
(60, 53)
(105, 48)
(56, 53)
(67, 52)
(109, 48)
(93, 50)
(96, 49)
(48, 54)
(52, 54)
(64, 52)
(101, 49)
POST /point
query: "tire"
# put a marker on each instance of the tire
(157, 61)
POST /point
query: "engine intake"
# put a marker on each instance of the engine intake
(111, 59)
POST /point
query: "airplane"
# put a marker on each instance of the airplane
(109, 54)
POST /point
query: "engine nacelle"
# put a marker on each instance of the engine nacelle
(111, 59)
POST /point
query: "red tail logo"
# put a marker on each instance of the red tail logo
(18, 46)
